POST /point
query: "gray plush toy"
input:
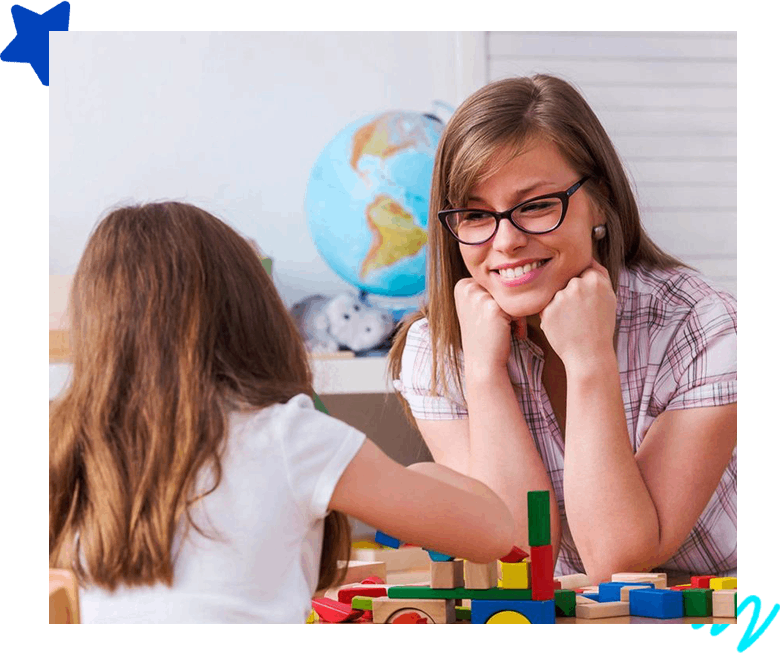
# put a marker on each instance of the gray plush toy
(329, 323)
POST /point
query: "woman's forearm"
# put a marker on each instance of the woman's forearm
(502, 452)
(610, 512)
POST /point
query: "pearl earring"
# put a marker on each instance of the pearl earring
(599, 231)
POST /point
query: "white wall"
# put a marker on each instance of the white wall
(232, 122)
(668, 100)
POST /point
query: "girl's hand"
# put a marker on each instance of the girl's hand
(484, 326)
(579, 321)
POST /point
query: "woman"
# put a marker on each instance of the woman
(561, 349)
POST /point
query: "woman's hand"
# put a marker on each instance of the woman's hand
(484, 326)
(579, 321)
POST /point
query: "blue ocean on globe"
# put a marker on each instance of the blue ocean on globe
(367, 201)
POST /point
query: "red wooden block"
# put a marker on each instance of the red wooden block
(680, 588)
(515, 555)
(333, 611)
(542, 567)
(346, 594)
(701, 582)
(372, 580)
(556, 584)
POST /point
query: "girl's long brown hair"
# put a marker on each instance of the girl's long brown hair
(491, 127)
(174, 322)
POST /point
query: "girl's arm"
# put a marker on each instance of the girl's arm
(427, 505)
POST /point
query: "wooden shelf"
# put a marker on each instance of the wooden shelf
(343, 374)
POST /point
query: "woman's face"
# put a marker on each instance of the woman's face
(560, 255)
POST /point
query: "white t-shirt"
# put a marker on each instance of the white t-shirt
(278, 474)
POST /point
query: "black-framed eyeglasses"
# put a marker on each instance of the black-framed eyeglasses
(539, 215)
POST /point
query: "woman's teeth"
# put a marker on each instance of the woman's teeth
(512, 273)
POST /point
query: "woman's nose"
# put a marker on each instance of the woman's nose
(508, 237)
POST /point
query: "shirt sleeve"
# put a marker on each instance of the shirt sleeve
(700, 366)
(414, 383)
(316, 449)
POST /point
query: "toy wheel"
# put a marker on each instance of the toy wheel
(409, 616)
(508, 617)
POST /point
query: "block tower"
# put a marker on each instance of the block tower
(526, 593)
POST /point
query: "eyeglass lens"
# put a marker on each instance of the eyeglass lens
(472, 226)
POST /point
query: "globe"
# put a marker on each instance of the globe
(367, 201)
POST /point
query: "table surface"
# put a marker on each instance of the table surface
(423, 575)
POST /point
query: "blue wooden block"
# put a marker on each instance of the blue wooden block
(385, 540)
(537, 612)
(438, 557)
(593, 596)
(611, 591)
(659, 604)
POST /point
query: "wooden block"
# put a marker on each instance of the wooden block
(462, 613)
(587, 589)
(542, 566)
(657, 579)
(582, 600)
(480, 576)
(723, 583)
(602, 610)
(515, 555)
(697, 602)
(410, 611)
(334, 611)
(538, 519)
(347, 593)
(628, 588)
(386, 540)
(565, 603)
(357, 572)
(656, 603)
(612, 591)
(401, 559)
(447, 575)
(701, 581)
(459, 593)
(724, 603)
(514, 612)
(514, 575)
(572, 581)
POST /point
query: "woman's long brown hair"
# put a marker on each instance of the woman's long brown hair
(174, 322)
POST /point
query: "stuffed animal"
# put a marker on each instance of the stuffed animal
(344, 321)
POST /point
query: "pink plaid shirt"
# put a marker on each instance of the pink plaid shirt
(676, 348)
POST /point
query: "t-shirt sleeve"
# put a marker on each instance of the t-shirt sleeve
(700, 366)
(414, 383)
(316, 449)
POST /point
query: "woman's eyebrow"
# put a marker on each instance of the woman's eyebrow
(520, 192)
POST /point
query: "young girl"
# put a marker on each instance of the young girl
(191, 478)
(561, 349)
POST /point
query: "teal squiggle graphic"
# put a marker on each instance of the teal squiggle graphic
(749, 637)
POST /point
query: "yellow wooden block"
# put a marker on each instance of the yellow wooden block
(724, 583)
(515, 575)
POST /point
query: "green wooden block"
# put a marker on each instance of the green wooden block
(566, 603)
(425, 592)
(462, 614)
(697, 602)
(539, 518)
(362, 602)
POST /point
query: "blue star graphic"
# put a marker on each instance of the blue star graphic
(31, 44)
